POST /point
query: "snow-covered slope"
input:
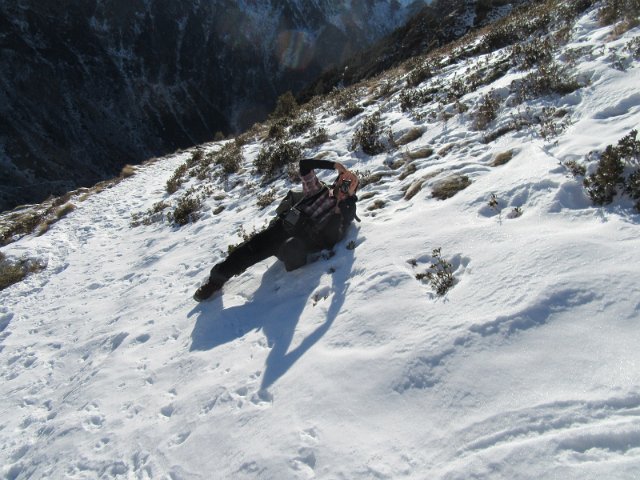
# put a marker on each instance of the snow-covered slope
(351, 368)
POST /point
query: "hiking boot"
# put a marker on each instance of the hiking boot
(215, 283)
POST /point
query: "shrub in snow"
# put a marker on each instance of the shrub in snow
(278, 129)
(608, 179)
(154, 214)
(174, 183)
(371, 137)
(487, 111)
(547, 79)
(575, 169)
(229, 157)
(419, 74)
(273, 158)
(526, 55)
(602, 185)
(302, 124)
(449, 186)
(186, 210)
(411, 98)
(318, 136)
(14, 271)
(350, 110)
(439, 274)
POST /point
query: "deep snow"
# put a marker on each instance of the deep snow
(348, 368)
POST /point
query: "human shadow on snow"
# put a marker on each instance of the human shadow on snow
(275, 308)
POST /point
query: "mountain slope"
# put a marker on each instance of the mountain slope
(87, 87)
(351, 367)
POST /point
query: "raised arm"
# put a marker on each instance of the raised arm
(309, 164)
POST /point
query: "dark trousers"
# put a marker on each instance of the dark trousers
(274, 240)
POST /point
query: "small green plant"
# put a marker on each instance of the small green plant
(552, 122)
(229, 158)
(152, 215)
(411, 98)
(632, 187)
(602, 185)
(439, 274)
(633, 47)
(196, 158)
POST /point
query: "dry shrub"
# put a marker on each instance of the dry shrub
(448, 187)
(502, 158)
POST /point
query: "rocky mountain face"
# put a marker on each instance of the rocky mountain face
(87, 86)
(436, 24)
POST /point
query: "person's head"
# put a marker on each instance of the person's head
(345, 186)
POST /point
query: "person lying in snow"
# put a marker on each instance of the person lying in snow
(308, 221)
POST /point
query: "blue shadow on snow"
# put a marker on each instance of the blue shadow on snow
(275, 308)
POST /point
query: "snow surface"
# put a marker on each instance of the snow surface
(349, 368)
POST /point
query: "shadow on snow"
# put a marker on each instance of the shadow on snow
(275, 308)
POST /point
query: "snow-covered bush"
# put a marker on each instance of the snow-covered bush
(609, 178)
(372, 137)
(302, 124)
(487, 111)
(186, 210)
(547, 79)
(350, 110)
(14, 271)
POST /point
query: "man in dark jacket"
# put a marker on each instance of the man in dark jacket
(308, 221)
